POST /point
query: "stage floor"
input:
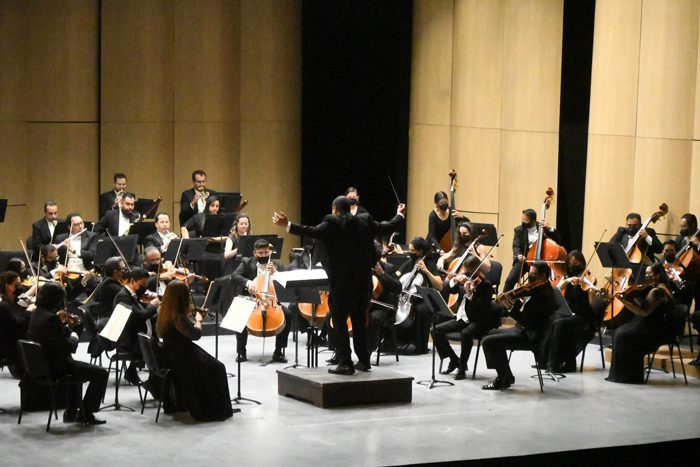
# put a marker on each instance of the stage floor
(443, 424)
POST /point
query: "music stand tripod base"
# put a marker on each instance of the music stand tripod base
(239, 399)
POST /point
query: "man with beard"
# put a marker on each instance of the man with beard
(118, 221)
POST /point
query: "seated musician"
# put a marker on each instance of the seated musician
(464, 240)
(534, 319)
(439, 221)
(142, 318)
(650, 327)
(245, 275)
(118, 221)
(473, 320)
(48, 266)
(162, 237)
(79, 245)
(161, 273)
(19, 266)
(110, 199)
(353, 195)
(571, 334)
(14, 321)
(194, 227)
(241, 226)
(58, 343)
(194, 200)
(200, 381)
(524, 236)
(688, 236)
(382, 311)
(43, 229)
(414, 338)
(647, 241)
(113, 271)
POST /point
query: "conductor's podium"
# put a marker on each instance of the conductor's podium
(325, 390)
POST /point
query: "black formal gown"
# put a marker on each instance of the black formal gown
(200, 381)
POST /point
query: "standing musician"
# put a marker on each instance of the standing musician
(14, 321)
(350, 256)
(654, 310)
(415, 337)
(353, 195)
(43, 229)
(524, 236)
(58, 343)
(244, 275)
(647, 241)
(474, 316)
(534, 319)
(380, 313)
(439, 222)
(193, 201)
(110, 199)
(162, 237)
(118, 221)
(571, 334)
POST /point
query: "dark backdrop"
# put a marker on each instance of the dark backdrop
(356, 69)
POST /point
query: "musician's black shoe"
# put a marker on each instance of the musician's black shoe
(499, 384)
(362, 366)
(451, 367)
(88, 418)
(342, 369)
(278, 357)
(132, 376)
(461, 374)
(695, 361)
(333, 360)
(241, 358)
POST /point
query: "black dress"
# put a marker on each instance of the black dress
(14, 322)
(437, 228)
(200, 381)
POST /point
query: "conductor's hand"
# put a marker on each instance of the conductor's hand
(280, 219)
(401, 209)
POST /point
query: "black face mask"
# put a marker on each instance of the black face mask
(50, 265)
(263, 259)
(531, 278)
(352, 202)
(686, 232)
(152, 267)
(670, 257)
(141, 291)
(527, 225)
(576, 270)
(443, 206)
(465, 238)
(632, 231)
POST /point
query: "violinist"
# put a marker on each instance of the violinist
(58, 343)
(524, 236)
(141, 319)
(533, 307)
(647, 241)
(14, 321)
(118, 221)
(194, 200)
(114, 271)
(439, 220)
(352, 194)
(110, 199)
(43, 229)
(474, 316)
(162, 237)
(653, 307)
(161, 274)
(244, 275)
(383, 308)
(49, 268)
(571, 334)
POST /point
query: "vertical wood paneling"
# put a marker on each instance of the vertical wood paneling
(476, 158)
(12, 52)
(13, 179)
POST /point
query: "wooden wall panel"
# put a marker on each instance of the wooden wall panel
(431, 66)
(668, 66)
(696, 126)
(144, 152)
(475, 155)
(137, 68)
(694, 205)
(60, 76)
(532, 64)
(615, 72)
(13, 180)
(477, 64)
(662, 174)
(207, 60)
(12, 52)
(429, 164)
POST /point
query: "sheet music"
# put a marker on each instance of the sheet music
(238, 313)
(300, 275)
(115, 326)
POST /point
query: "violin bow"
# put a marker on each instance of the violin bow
(119, 251)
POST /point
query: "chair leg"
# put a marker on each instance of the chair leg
(539, 375)
(393, 337)
(673, 366)
(685, 378)
(143, 401)
(690, 331)
(21, 404)
(476, 359)
(379, 343)
(600, 344)
(583, 357)
(650, 362)
(52, 409)
(510, 355)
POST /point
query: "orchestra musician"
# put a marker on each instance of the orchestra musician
(534, 319)
(48, 267)
(380, 313)
(110, 199)
(353, 195)
(193, 201)
(14, 321)
(19, 266)
(464, 238)
(162, 237)
(113, 270)
(439, 221)
(244, 275)
(43, 229)
(200, 381)
(78, 245)
(194, 227)
(647, 241)
(474, 317)
(118, 221)
(650, 327)
(350, 251)
(241, 227)
(524, 236)
(161, 274)
(58, 343)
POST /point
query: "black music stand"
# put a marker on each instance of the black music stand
(61, 228)
(229, 202)
(246, 242)
(436, 303)
(3, 209)
(238, 399)
(142, 230)
(105, 249)
(491, 235)
(303, 290)
(217, 225)
(612, 256)
(145, 206)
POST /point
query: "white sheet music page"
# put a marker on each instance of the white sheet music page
(114, 327)
(300, 275)
(238, 313)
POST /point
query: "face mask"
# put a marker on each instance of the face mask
(51, 264)
(632, 231)
(576, 270)
(526, 225)
(352, 201)
(685, 232)
(443, 206)
(465, 238)
(669, 257)
(531, 278)
(262, 259)
(141, 291)
(152, 267)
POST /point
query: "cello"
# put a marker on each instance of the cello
(267, 318)
(448, 239)
(619, 279)
(688, 260)
(546, 249)
(409, 282)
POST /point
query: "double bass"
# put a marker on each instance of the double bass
(687, 261)
(267, 318)
(546, 249)
(448, 239)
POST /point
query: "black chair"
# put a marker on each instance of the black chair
(494, 275)
(119, 359)
(159, 382)
(36, 371)
(599, 330)
(387, 326)
(677, 326)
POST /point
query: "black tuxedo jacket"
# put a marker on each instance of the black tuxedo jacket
(107, 200)
(478, 309)
(110, 222)
(153, 240)
(520, 243)
(623, 239)
(349, 243)
(534, 316)
(137, 320)
(88, 243)
(108, 289)
(247, 270)
(41, 235)
(46, 328)
(186, 210)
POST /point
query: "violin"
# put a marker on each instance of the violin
(185, 274)
(509, 298)
(148, 296)
(68, 319)
(637, 291)
(546, 249)
(267, 318)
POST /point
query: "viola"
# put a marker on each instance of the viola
(509, 298)
(546, 249)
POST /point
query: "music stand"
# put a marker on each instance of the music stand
(491, 235)
(612, 256)
(146, 206)
(436, 303)
(302, 286)
(105, 249)
(142, 230)
(246, 242)
(217, 225)
(61, 228)
(238, 327)
(229, 202)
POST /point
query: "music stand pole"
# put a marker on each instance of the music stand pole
(240, 399)
(432, 382)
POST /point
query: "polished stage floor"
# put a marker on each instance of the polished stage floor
(452, 423)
